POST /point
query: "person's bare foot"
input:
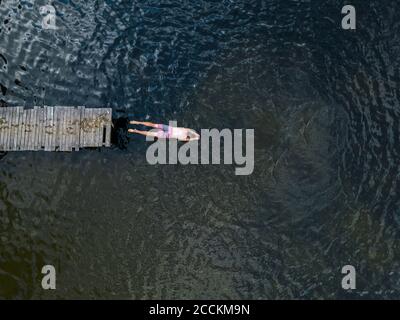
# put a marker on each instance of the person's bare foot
(132, 130)
(134, 122)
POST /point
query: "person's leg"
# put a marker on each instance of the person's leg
(145, 123)
(144, 133)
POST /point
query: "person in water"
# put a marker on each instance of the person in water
(165, 131)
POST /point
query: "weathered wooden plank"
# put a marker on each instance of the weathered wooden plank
(45, 137)
(102, 122)
(21, 130)
(76, 119)
(33, 133)
(93, 122)
(22, 145)
(36, 129)
(81, 133)
(16, 128)
(108, 129)
(58, 127)
(13, 127)
(66, 121)
(103, 114)
(57, 115)
(8, 133)
(47, 128)
(90, 113)
(52, 136)
(67, 129)
(2, 127)
(64, 129)
(75, 140)
(95, 125)
(11, 135)
(43, 128)
(24, 137)
(53, 129)
(99, 127)
(9, 127)
(86, 129)
(6, 116)
(71, 131)
(33, 123)
(63, 136)
(50, 129)
(40, 128)
(33, 129)
(60, 119)
(28, 129)
(19, 126)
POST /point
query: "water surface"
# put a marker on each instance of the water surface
(324, 104)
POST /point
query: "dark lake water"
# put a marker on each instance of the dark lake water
(324, 103)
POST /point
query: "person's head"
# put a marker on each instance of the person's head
(192, 135)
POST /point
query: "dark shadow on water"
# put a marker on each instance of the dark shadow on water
(119, 133)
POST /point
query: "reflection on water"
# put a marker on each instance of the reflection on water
(325, 189)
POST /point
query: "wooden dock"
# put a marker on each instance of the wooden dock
(54, 128)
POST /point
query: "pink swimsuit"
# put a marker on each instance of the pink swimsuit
(165, 131)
